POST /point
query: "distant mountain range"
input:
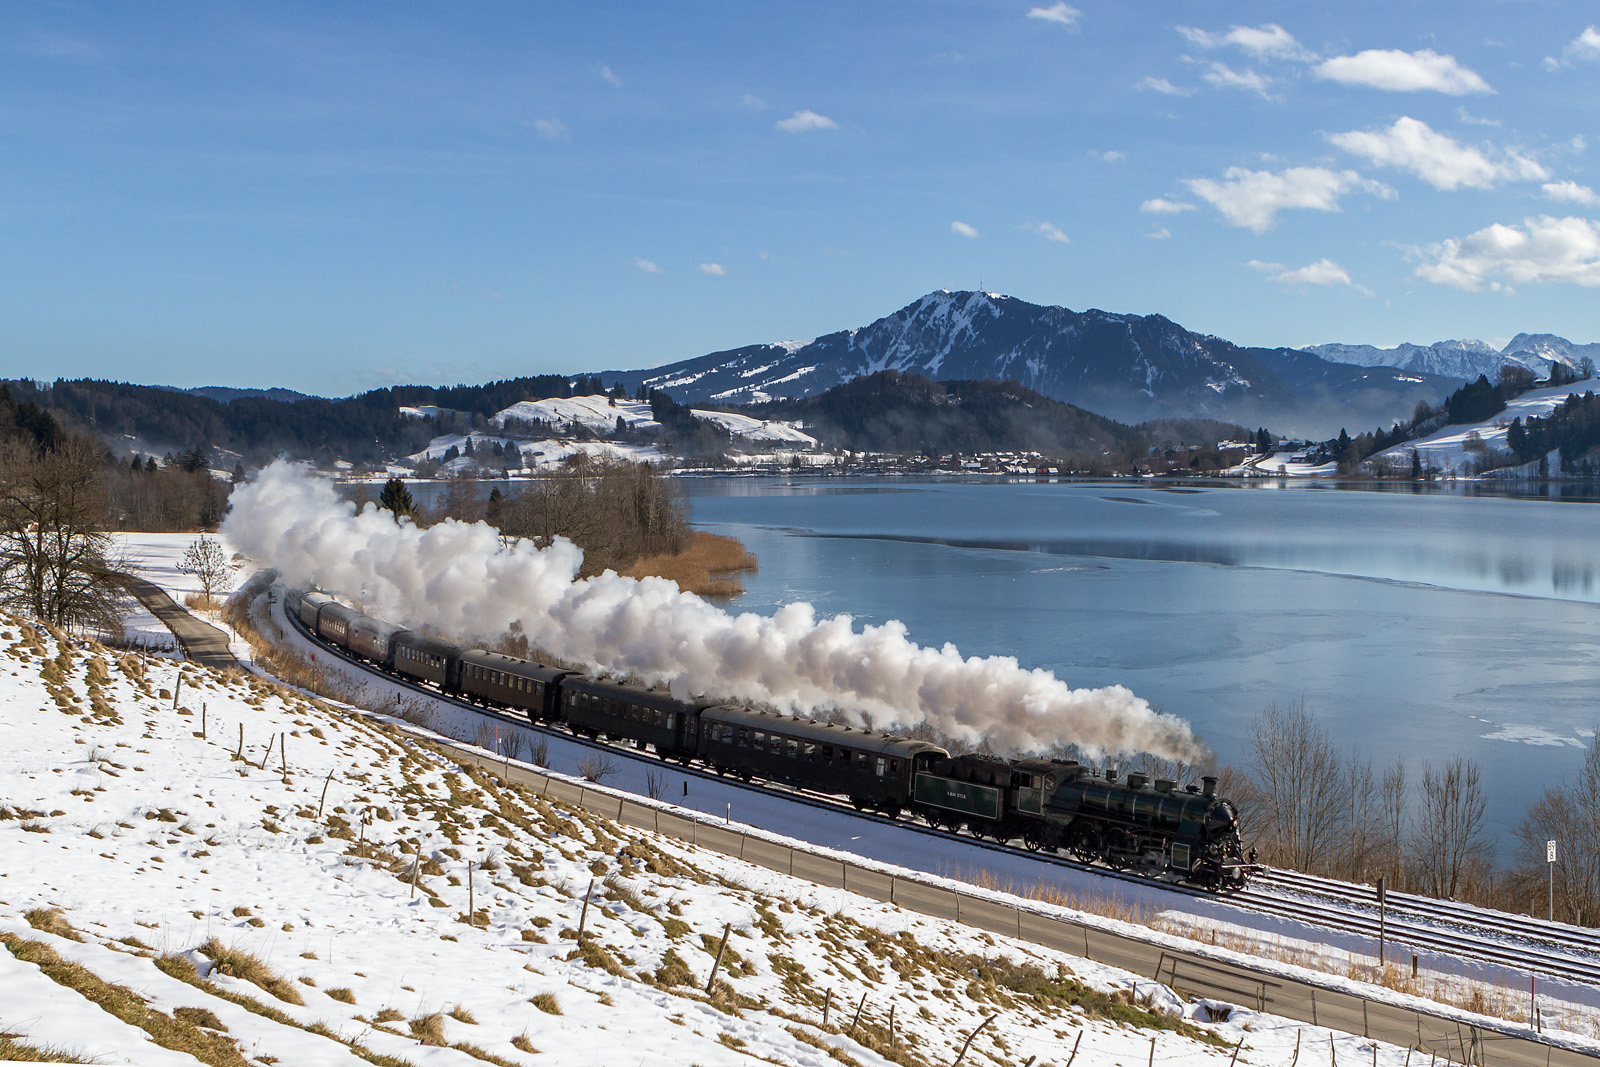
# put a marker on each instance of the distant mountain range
(1126, 367)
(1466, 359)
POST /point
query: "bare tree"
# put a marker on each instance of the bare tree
(597, 767)
(1301, 789)
(55, 558)
(1570, 816)
(208, 563)
(1392, 813)
(1448, 842)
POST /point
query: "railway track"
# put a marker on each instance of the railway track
(1412, 924)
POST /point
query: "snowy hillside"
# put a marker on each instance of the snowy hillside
(204, 869)
(1448, 449)
(598, 414)
(745, 428)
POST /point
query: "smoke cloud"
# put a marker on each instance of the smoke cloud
(459, 580)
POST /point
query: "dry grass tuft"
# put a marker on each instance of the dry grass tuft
(429, 1029)
(706, 566)
(522, 1044)
(461, 1015)
(343, 995)
(15, 1050)
(547, 1003)
(51, 921)
(237, 963)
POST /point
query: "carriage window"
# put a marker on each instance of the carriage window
(863, 760)
(894, 766)
(880, 766)
(793, 747)
(810, 750)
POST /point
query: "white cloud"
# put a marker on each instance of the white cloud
(963, 229)
(754, 102)
(1585, 46)
(646, 265)
(1059, 13)
(1223, 76)
(1253, 198)
(1323, 272)
(1161, 85)
(1162, 206)
(1111, 156)
(608, 75)
(1412, 145)
(716, 269)
(1046, 230)
(1543, 251)
(1403, 72)
(1473, 120)
(1570, 192)
(1267, 41)
(550, 129)
(1159, 235)
(804, 120)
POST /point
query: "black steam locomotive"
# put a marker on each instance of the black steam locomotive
(1154, 828)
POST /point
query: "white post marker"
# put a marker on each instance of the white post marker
(1550, 858)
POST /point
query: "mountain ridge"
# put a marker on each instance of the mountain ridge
(1124, 366)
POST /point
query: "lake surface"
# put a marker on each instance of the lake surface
(1414, 626)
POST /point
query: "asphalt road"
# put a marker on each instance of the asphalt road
(202, 643)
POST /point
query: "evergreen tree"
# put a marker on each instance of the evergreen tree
(1416, 464)
(396, 498)
(238, 473)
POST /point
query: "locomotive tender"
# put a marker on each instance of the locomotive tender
(1154, 828)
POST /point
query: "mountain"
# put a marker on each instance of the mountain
(1126, 367)
(893, 412)
(1538, 350)
(1466, 359)
(1450, 359)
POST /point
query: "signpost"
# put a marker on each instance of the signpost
(1382, 897)
(1550, 858)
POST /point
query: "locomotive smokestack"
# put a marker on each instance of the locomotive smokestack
(1208, 786)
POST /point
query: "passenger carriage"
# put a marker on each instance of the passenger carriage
(643, 716)
(511, 682)
(428, 659)
(873, 770)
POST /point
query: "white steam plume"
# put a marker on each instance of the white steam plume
(457, 578)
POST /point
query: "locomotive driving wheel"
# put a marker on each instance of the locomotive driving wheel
(1033, 838)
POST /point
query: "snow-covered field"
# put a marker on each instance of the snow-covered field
(167, 850)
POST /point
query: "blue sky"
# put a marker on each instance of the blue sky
(334, 197)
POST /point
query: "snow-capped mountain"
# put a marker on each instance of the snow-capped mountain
(1451, 359)
(1465, 358)
(1128, 367)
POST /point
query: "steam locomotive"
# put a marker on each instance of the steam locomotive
(1150, 827)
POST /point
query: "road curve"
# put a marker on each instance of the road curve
(202, 643)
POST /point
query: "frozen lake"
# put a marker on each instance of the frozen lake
(1414, 626)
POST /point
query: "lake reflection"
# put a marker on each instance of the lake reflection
(1413, 625)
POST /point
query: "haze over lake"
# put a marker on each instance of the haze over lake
(1412, 626)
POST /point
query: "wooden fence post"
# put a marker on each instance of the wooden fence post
(325, 781)
(978, 1030)
(857, 1018)
(1075, 1045)
(826, 1002)
(717, 963)
(472, 915)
